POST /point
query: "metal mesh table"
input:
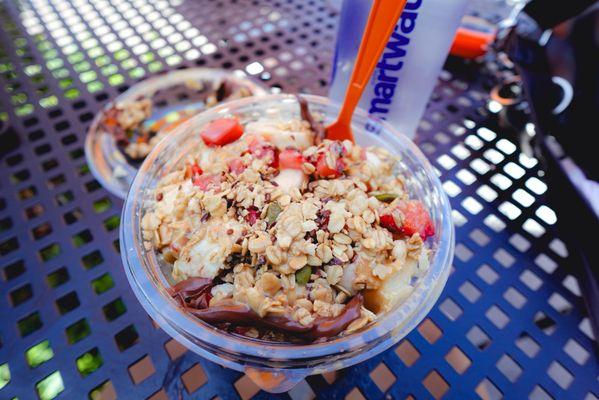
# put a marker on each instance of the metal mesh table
(509, 324)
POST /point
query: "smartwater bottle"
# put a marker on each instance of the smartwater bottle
(411, 62)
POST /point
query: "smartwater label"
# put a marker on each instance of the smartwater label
(411, 62)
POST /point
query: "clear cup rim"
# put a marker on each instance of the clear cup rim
(411, 311)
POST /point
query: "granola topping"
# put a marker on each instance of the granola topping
(291, 231)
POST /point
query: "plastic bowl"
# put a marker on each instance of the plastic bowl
(276, 367)
(177, 94)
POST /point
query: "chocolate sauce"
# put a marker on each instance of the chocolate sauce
(192, 292)
(235, 313)
(193, 295)
(226, 89)
(332, 326)
(307, 116)
(191, 287)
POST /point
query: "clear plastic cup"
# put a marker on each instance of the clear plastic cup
(277, 367)
(178, 93)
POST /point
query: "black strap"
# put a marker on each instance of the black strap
(549, 13)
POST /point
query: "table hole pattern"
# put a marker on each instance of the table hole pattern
(246, 389)
(382, 377)
(302, 391)
(73, 328)
(141, 369)
(193, 378)
(355, 394)
(486, 390)
(89, 362)
(50, 387)
(458, 360)
(104, 391)
(174, 349)
(39, 354)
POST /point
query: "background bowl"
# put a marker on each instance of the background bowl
(176, 94)
(277, 367)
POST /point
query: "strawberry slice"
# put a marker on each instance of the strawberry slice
(324, 171)
(207, 181)
(222, 131)
(264, 150)
(388, 223)
(196, 170)
(252, 215)
(192, 170)
(416, 219)
(291, 159)
(236, 166)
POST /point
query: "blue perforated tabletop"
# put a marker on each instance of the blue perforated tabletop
(510, 323)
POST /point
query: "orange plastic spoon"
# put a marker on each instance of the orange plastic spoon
(381, 21)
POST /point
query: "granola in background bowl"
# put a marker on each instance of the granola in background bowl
(128, 128)
(136, 131)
